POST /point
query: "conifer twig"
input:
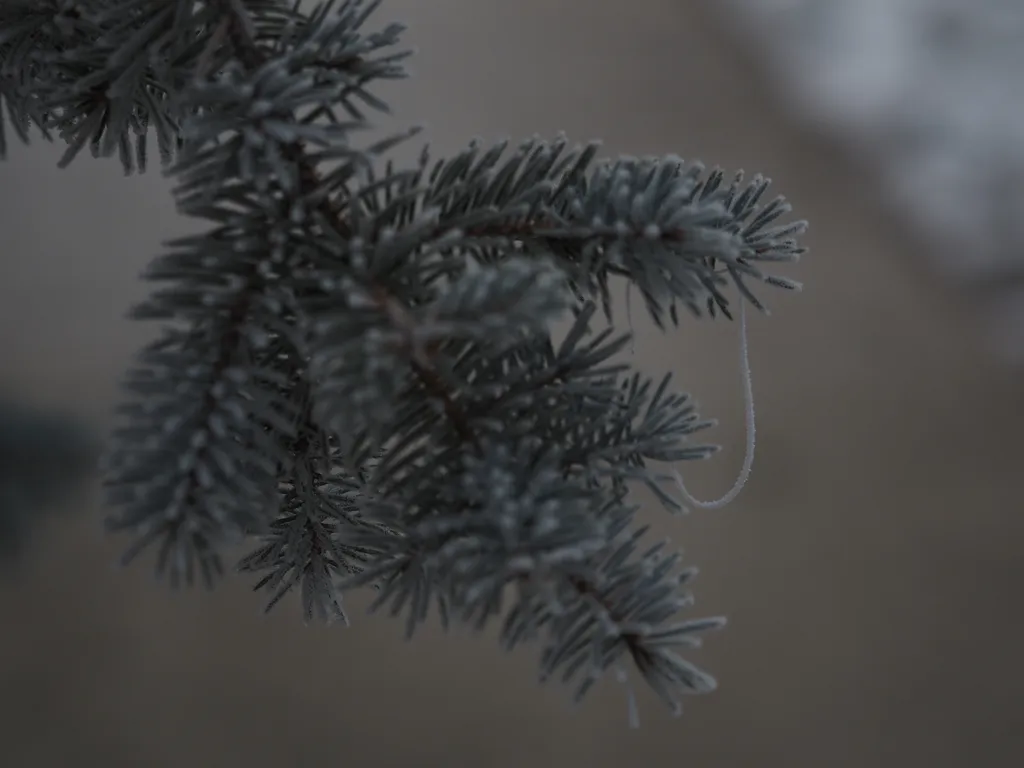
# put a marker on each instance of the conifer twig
(357, 370)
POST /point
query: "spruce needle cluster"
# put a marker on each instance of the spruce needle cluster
(356, 369)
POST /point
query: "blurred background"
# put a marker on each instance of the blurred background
(871, 571)
(925, 93)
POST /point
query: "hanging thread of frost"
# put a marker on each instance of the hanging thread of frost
(750, 425)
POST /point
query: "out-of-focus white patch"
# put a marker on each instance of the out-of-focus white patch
(932, 92)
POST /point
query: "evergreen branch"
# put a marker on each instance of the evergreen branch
(358, 368)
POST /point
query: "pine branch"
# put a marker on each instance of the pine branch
(357, 367)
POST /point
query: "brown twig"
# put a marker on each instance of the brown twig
(238, 28)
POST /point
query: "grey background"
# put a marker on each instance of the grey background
(871, 571)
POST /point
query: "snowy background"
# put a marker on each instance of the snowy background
(930, 94)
